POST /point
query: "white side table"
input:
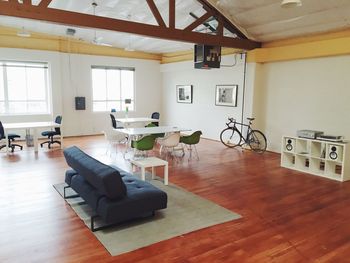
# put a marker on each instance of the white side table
(151, 162)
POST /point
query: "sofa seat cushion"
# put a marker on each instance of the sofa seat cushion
(90, 195)
(68, 176)
(104, 178)
(142, 197)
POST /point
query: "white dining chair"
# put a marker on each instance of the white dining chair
(169, 143)
(114, 138)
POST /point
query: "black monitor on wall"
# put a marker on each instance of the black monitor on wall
(206, 57)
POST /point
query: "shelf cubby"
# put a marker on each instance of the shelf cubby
(302, 146)
(288, 160)
(302, 162)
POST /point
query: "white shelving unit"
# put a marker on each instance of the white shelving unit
(322, 158)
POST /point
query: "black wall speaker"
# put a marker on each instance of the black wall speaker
(289, 144)
(80, 103)
(335, 152)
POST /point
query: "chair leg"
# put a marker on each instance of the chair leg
(191, 148)
(195, 148)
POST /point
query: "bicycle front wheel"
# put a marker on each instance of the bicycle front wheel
(230, 138)
(257, 141)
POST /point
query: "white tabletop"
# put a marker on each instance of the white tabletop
(134, 120)
(28, 125)
(148, 162)
(151, 130)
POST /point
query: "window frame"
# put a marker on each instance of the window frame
(120, 100)
(27, 64)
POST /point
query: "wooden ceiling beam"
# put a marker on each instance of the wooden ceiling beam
(156, 13)
(198, 22)
(85, 20)
(227, 23)
(44, 3)
(172, 14)
(220, 28)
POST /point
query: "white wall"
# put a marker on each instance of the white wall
(202, 114)
(147, 93)
(66, 86)
(303, 94)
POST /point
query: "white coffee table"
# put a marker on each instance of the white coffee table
(151, 162)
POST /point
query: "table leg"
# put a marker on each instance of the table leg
(61, 138)
(35, 139)
(166, 179)
(7, 143)
(143, 176)
(153, 172)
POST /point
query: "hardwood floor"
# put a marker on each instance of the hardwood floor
(287, 216)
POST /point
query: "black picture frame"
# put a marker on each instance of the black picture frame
(226, 95)
(184, 93)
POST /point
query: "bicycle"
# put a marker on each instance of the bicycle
(232, 137)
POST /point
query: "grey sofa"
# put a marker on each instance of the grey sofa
(115, 195)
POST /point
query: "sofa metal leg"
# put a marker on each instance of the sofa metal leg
(92, 226)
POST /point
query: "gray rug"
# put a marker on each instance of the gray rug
(186, 212)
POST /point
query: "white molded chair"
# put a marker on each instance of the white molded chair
(169, 143)
(113, 137)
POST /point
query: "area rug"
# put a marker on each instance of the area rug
(186, 212)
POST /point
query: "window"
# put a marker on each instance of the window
(23, 88)
(111, 87)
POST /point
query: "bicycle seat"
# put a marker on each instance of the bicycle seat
(250, 119)
(231, 119)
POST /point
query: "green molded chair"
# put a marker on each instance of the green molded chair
(144, 144)
(191, 141)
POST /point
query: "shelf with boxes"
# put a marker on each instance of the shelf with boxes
(322, 158)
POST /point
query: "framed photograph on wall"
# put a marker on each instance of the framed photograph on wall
(184, 93)
(226, 95)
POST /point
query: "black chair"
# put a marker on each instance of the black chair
(11, 137)
(51, 134)
(155, 115)
(114, 122)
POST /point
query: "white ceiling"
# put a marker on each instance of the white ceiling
(261, 20)
(265, 20)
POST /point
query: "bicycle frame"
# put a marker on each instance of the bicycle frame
(245, 139)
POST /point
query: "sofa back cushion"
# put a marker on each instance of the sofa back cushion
(104, 178)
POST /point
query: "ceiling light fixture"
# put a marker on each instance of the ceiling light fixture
(23, 33)
(290, 3)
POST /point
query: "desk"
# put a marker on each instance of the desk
(127, 122)
(34, 126)
(151, 130)
(151, 162)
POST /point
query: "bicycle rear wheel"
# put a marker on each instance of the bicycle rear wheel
(257, 141)
(230, 138)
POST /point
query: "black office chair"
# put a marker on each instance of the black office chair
(155, 115)
(114, 122)
(11, 137)
(51, 134)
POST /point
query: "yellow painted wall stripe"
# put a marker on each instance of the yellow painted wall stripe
(331, 44)
(324, 48)
(9, 39)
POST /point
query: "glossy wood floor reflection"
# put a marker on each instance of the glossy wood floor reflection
(287, 216)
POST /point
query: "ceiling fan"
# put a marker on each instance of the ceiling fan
(98, 40)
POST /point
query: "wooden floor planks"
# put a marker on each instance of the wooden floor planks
(287, 216)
